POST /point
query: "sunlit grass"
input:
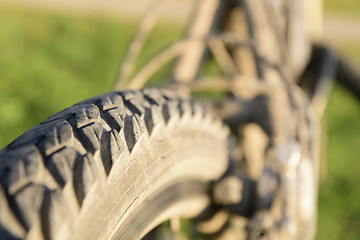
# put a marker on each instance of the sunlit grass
(49, 61)
(339, 209)
(348, 7)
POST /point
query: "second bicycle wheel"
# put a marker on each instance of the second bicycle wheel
(113, 166)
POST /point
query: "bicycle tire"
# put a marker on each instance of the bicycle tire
(113, 165)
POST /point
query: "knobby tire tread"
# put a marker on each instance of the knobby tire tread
(37, 167)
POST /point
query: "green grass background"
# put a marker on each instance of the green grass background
(345, 7)
(339, 196)
(49, 61)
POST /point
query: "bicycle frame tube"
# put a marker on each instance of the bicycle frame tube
(204, 18)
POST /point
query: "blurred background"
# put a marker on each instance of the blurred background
(56, 53)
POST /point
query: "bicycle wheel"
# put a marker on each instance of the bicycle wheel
(111, 166)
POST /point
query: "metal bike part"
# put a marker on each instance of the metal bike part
(204, 17)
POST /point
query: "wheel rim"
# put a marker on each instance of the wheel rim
(165, 203)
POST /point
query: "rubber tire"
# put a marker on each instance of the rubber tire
(93, 168)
